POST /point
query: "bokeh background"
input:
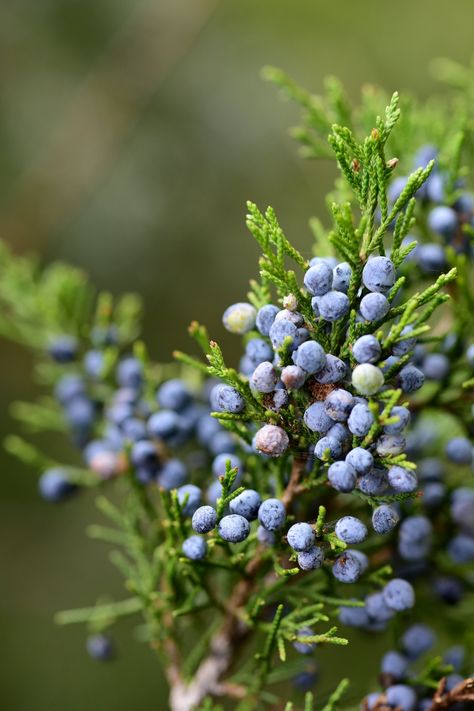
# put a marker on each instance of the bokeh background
(131, 134)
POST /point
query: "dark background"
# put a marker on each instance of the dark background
(131, 134)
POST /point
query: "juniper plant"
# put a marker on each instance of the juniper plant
(263, 511)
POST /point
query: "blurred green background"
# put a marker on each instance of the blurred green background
(131, 134)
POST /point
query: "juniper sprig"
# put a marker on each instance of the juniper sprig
(264, 509)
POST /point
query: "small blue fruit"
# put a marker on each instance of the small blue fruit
(384, 519)
(310, 357)
(63, 349)
(379, 274)
(342, 477)
(246, 504)
(100, 647)
(54, 485)
(264, 378)
(189, 496)
(417, 640)
(194, 548)
(301, 646)
(281, 330)
(224, 398)
(347, 568)
(351, 530)
(402, 480)
(374, 307)
(410, 379)
(311, 559)
(265, 318)
(173, 395)
(272, 514)
(233, 528)
(301, 537)
(339, 404)
(443, 220)
(328, 448)
(459, 450)
(401, 697)
(360, 420)
(130, 373)
(317, 419)
(334, 305)
(367, 349)
(341, 277)
(318, 279)
(360, 459)
(204, 519)
(399, 595)
(333, 371)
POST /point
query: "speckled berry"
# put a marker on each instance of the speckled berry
(360, 420)
(403, 481)
(264, 378)
(317, 419)
(301, 537)
(367, 349)
(310, 357)
(265, 318)
(246, 504)
(272, 514)
(374, 307)
(379, 274)
(318, 279)
(342, 476)
(347, 568)
(224, 398)
(334, 305)
(360, 459)
(204, 519)
(233, 528)
(384, 519)
(339, 404)
(311, 559)
(351, 530)
(341, 277)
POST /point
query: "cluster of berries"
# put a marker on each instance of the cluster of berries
(137, 433)
(336, 398)
(449, 212)
(397, 673)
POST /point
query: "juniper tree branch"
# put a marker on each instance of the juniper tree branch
(207, 679)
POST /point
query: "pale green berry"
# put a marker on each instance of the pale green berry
(367, 379)
(239, 318)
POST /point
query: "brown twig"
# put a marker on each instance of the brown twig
(464, 691)
(207, 679)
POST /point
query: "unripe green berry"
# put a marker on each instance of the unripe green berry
(239, 318)
(367, 379)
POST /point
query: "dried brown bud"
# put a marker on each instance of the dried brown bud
(290, 302)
